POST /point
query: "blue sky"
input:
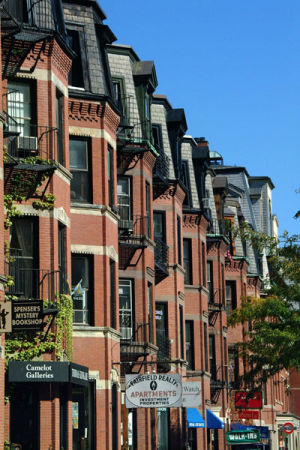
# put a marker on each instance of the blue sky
(234, 66)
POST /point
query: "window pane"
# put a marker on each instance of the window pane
(125, 308)
(78, 154)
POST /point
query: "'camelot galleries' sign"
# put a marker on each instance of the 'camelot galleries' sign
(153, 391)
(242, 437)
(47, 372)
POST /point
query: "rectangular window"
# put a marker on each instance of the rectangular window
(210, 285)
(81, 285)
(203, 253)
(147, 224)
(60, 127)
(222, 294)
(205, 347)
(110, 175)
(189, 344)
(230, 296)
(112, 275)
(80, 170)
(126, 308)
(78, 75)
(121, 100)
(24, 258)
(187, 261)
(62, 257)
(186, 181)
(162, 335)
(124, 203)
(212, 357)
(19, 108)
(157, 137)
(159, 231)
(225, 360)
(179, 240)
(233, 367)
(150, 312)
(181, 331)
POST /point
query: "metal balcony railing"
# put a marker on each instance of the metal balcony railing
(27, 139)
(42, 15)
(161, 254)
(29, 282)
(134, 332)
(161, 167)
(134, 230)
(216, 227)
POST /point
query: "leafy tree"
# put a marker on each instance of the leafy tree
(272, 341)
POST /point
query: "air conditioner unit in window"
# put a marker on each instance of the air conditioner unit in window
(126, 332)
(27, 144)
(126, 225)
(206, 204)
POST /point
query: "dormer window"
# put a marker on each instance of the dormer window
(78, 75)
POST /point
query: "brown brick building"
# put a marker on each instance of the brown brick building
(118, 207)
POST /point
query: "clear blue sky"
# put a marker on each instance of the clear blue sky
(234, 66)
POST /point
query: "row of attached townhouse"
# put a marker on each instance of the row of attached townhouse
(120, 250)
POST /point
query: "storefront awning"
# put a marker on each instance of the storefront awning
(213, 421)
(195, 420)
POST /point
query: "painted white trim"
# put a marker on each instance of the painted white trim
(56, 213)
(95, 250)
(46, 75)
(92, 132)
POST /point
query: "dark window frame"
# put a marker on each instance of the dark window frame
(131, 285)
(157, 137)
(210, 280)
(179, 243)
(122, 223)
(121, 99)
(212, 357)
(187, 183)
(181, 331)
(187, 261)
(87, 286)
(87, 171)
(205, 341)
(81, 58)
(189, 344)
(110, 175)
(231, 303)
(203, 260)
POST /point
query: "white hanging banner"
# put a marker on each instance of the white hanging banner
(191, 394)
(154, 391)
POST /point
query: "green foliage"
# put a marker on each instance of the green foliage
(24, 346)
(24, 183)
(272, 323)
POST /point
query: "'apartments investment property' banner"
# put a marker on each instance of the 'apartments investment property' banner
(153, 391)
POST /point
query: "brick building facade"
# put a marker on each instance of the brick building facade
(122, 210)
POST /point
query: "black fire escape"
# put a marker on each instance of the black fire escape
(24, 24)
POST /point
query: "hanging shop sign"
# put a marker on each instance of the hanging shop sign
(191, 394)
(79, 374)
(47, 372)
(153, 391)
(27, 315)
(248, 414)
(248, 400)
(38, 371)
(242, 437)
(5, 317)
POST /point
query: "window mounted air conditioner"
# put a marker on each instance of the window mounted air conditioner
(126, 332)
(28, 144)
(126, 225)
(206, 203)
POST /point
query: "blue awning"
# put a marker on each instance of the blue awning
(213, 421)
(195, 420)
